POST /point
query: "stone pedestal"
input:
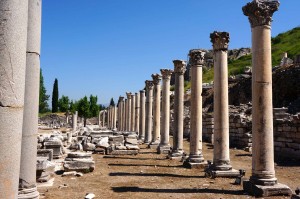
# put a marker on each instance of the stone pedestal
(156, 112)
(142, 118)
(177, 149)
(149, 101)
(262, 181)
(132, 117)
(196, 159)
(164, 146)
(128, 116)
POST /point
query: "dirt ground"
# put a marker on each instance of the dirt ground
(149, 175)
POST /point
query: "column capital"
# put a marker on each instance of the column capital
(260, 12)
(196, 57)
(179, 66)
(220, 40)
(156, 78)
(166, 73)
(142, 91)
(128, 95)
(121, 98)
(149, 84)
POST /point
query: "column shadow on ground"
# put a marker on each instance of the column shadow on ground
(244, 154)
(144, 165)
(132, 158)
(183, 190)
(153, 175)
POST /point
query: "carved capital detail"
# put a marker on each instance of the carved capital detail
(196, 57)
(260, 12)
(179, 66)
(166, 73)
(121, 98)
(220, 40)
(149, 84)
(156, 78)
(128, 95)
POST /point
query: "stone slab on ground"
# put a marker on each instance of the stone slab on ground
(163, 149)
(233, 173)
(124, 152)
(80, 165)
(194, 165)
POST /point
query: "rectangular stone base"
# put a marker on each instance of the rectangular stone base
(233, 173)
(153, 146)
(193, 165)
(265, 191)
(124, 152)
(163, 150)
(179, 158)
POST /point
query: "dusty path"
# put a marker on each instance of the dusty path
(149, 175)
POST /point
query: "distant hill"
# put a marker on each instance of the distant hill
(284, 42)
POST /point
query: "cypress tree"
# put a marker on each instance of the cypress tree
(55, 97)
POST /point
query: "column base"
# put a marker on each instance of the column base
(176, 155)
(163, 149)
(266, 190)
(30, 193)
(195, 162)
(153, 145)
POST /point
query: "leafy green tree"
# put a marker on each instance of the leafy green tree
(84, 109)
(112, 102)
(64, 103)
(43, 97)
(55, 97)
(94, 108)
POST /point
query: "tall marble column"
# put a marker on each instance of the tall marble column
(115, 109)
(27, 178)
(137, 112)
(164, 146)
(108, 117)
(125, 115)
(103, 117)
(149, 101)
(142, 118)
(262, 181)
(128, 111)
(177, 149)
(99, 119)
(13, 31)
(120, 113)
(221, 166)
(156, 111)
(132, 117)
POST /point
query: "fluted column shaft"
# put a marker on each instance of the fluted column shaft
(142, 115)
(149, 101)
(132, 118)
(137, 112)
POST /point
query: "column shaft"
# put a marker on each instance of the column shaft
(128, 111)
(132, 118)
(142, 115)
(156, 110)
(149, 102)
(137, 112)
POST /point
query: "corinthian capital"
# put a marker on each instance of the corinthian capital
(219, 40)
(156, 78)
(166, 73)
(260, 12)
(128, 95)
(196, 57)
(179, 66)
(149, 84)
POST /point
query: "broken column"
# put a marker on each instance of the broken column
(137, 112)
(128, 116)
(221, 166)
(132, 117)
(103, 118)
(156, 112)
(142, 117)
(262, 181)
(27, 178)
(177, 149)
(149, 101)
(164, 146)
(74, 122)
(13, 17)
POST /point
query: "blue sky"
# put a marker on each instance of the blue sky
(108, 47)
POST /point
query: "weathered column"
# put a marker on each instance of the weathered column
(156, 112)
(164, 146)
(27, 178)
(120, 113)
(221, 166)
(177, 149)
(103, 117)
(132, 117)
(99, 119)
(137, 112)
(108, 117)
(128, 111)
(263, 181)
(13, 31)
(115, 109)
(125, 115)
(149, 101)
(142, 117)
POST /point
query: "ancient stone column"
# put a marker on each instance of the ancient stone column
(27, 178)
(263, 181)
(103, 117)
(132, 117)
(13, 31)
(221, 166)
(128, 111)
(108, 117)
(142, 117)
(156, 112)
(149, 101)
(137, 112)
(125, 115)
(120, 113)
(115, 109)
(164, 146)
(99, 119)
(177, 149)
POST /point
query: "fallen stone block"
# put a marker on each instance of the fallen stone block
(80, 165)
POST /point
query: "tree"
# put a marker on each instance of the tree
(94, 108)
(112, 103)
(84, 109)
(55, 97)
(43, 98)
(63, 103)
